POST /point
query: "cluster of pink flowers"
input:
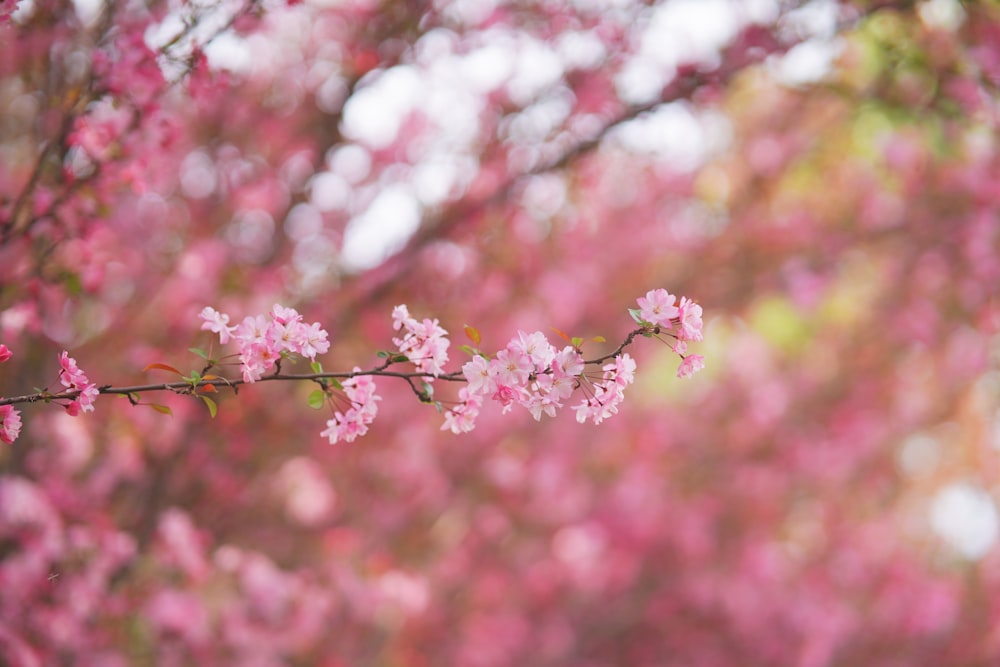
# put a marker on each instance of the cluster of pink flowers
(607, 394)
(74, 379)
(10, 419)
(529, 371)
(352, 423)
(262, 340)
(70, 376)
(681, 319)
(424, 342)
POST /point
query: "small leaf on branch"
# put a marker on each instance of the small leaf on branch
(200, 352)
(212, 407)
(400, 358)
(316, 367)
(468, 349)
(382, 354)
(316, 399)
(599, 339)
(336, 384)
(162, 367)
(162, 409)
(208, 388)
(637, 316)
(473, 334)
(562, 335)
(577, 341)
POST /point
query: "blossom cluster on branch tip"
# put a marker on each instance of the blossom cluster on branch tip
(79, 391)
(680, 319)
(424, 342)
(261, 340)
(353, 421)
(74, 379)
(529, 371)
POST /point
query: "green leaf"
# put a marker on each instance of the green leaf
(316, 367)
(162, 409)
(599, 339)
(400, 358)
(576, 341)
(212, 407)
(336, 384)
(200, 352)
(316, 399)
(468, 349)
(382, 354)
(428, 389)
(637, 316)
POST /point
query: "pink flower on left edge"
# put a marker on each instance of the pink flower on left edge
(10, 424)
(5, 353)
(74, 379)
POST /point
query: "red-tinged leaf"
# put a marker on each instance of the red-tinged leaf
(212, 407)
(562, 335)
(162, 409)
(209, 389)
(473, 334)
(210, 377)
(162, 367)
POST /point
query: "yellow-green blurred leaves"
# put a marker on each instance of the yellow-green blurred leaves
(780, 323)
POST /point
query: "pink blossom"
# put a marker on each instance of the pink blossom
(10, 423)
(513, 367)
(609, 392)
(424, 342)
(568, 362)
(622, 370)
(477, 374)
(690, 365)
(5, 353)
(283, 315)
(74, 379)
(505, 395)
(462, 418)
(603, 404)
(216, 322)
(352, 423)
(535, 346)
(689, 316)
(252, 329)
(312, 340)
(257, 358)
(657, 307)
(261, 341)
